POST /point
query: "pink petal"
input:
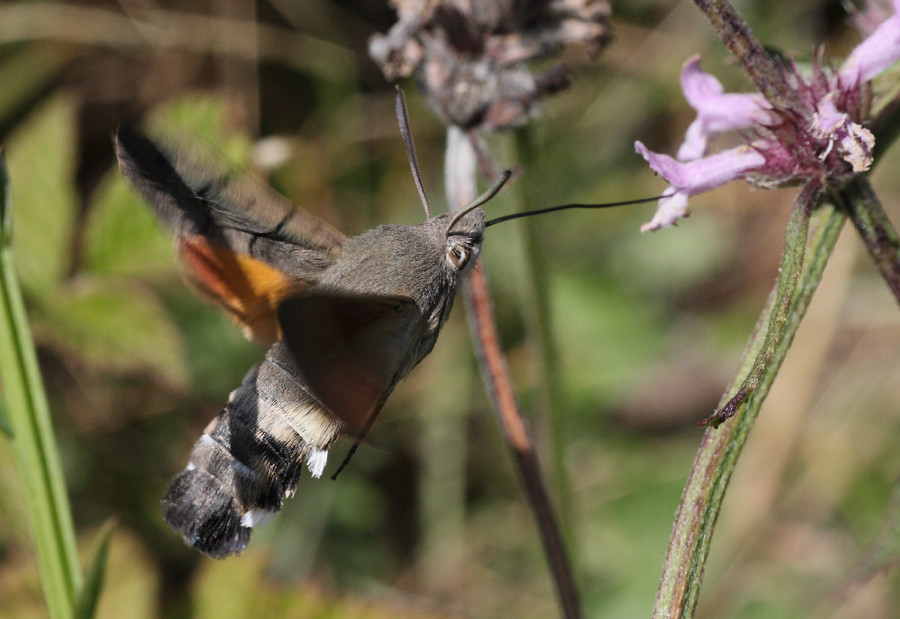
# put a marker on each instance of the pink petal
(720, 111)
(696, 141)
(716, 111)
(876, 53)
(701, 175)
(670, 210)
(698, 85)
(692, 177)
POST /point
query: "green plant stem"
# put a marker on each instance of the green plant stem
(873, 225)
(791, 265)
(702, 498)
(33, 443)
(551, 393)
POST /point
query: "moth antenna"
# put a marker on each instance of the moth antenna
(487, 195)
(403, 120)
(563, 207)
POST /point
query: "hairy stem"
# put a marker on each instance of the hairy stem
(878, 235)
(766, 75)
(789, 275)
(705, 489)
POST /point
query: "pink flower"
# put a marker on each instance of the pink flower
(783, 146)
(875, 54)
(692, 177)
(717, 111)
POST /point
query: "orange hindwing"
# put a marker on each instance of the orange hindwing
(247, 288)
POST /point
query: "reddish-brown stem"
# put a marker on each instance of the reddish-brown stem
(496, 377)
(461, 164)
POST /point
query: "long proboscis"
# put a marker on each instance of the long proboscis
(486, 196)
(562, 207)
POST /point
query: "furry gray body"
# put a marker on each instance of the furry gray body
(366, 311)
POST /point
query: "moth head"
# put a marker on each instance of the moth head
(463, 239)
(465, 230)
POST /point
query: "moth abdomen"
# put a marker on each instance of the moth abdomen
(249, 459)
(212, 526)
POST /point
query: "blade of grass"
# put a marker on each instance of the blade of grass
(89, 597)
(5, 426)
(33, 443)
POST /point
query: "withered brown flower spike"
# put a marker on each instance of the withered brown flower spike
(470, 56)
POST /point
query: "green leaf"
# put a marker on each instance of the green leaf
(122, 236)
(41, 155)
(27, 73)
(117, 325)
(5, 203)
(203, 121)
(89, 597)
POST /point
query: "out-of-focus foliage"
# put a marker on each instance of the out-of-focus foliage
(429, 520)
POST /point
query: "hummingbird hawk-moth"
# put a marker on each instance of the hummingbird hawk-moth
(344, 319)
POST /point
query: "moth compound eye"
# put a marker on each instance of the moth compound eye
(459, 256)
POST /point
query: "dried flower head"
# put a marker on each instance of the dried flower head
(470, 56)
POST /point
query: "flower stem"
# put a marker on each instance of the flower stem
(33, 443)
(879, 236)
(789, 274)
(702, 498)
(460, 167)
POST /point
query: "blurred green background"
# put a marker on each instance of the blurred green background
(429, 520)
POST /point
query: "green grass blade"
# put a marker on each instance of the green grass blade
(86, 607)
(5, 426)
(33, 443)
